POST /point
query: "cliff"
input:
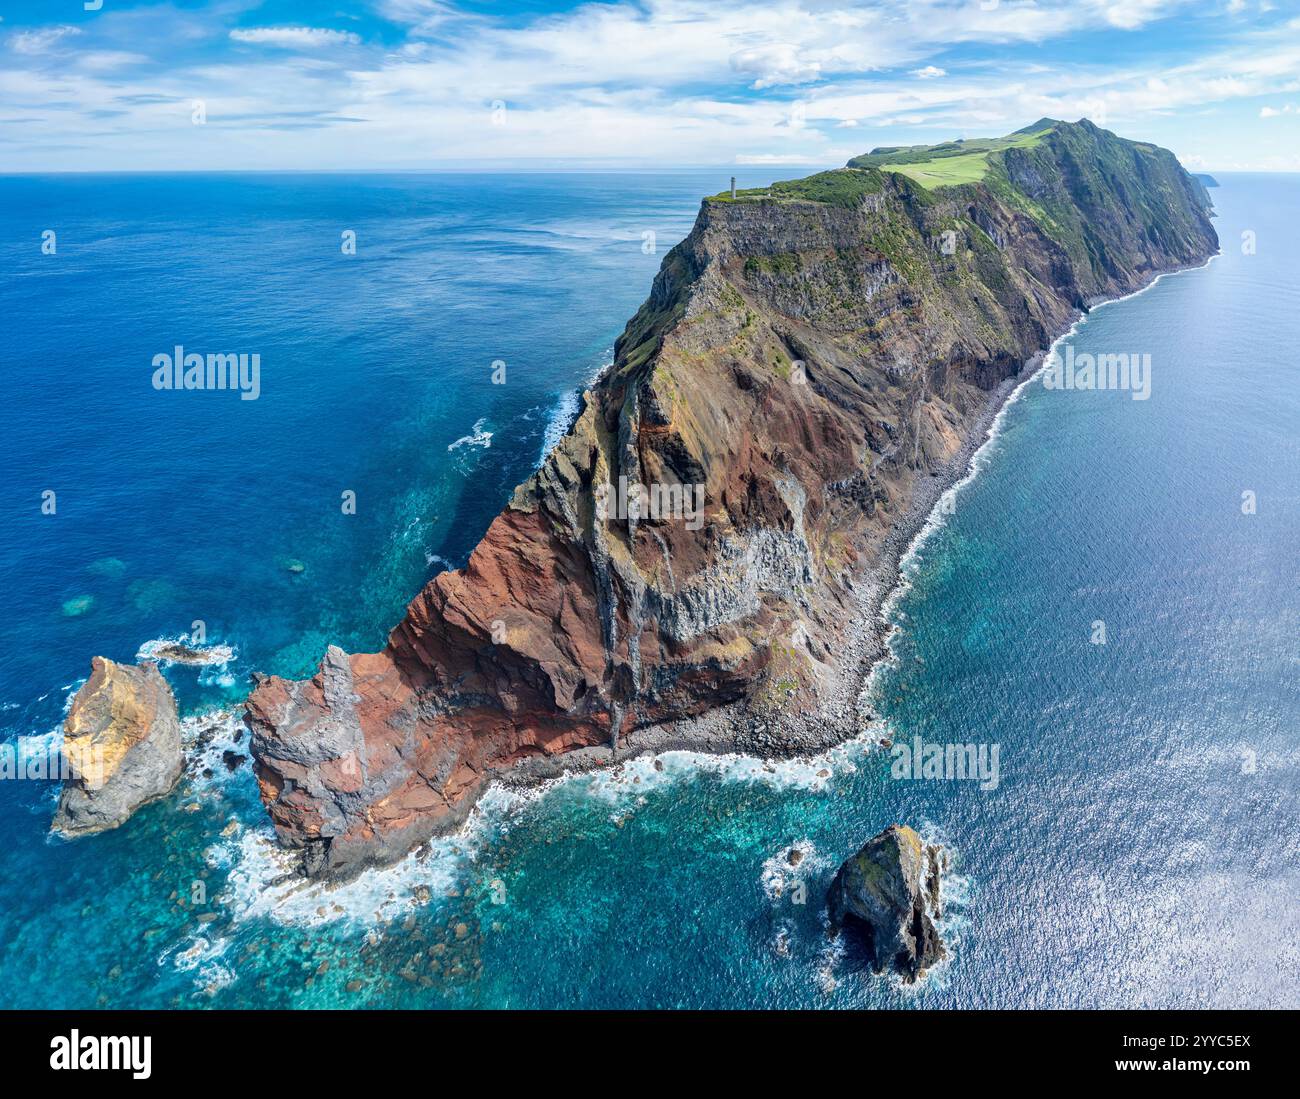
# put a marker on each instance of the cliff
(811, 358)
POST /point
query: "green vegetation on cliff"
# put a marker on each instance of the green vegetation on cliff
(840, 187)
(1080, 185)
(951, 163)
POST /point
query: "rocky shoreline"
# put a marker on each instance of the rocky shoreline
(729, 729)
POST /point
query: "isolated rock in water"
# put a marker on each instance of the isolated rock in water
(890, 892)
(122, 741)
(181, 652)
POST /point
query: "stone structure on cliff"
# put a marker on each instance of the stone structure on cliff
(122, 743)
(889, 892)
(812, 360)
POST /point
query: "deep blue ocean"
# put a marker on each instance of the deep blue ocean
(1141, 847)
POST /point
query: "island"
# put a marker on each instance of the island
(700, 562)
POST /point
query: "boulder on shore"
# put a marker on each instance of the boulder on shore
(889, 892)
(122, 744)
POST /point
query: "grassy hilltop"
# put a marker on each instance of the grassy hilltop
(950, 163)
(1070, 179)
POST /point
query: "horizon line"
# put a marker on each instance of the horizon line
(507, 168)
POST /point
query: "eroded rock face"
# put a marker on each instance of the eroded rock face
(889, 892)
(804, 369)
(122, 741)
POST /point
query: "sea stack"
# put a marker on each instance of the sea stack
(889, 891)
(122, 743)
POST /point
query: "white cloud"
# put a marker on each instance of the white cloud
(1129, 14)
(40, 40)
(657, 81)
(422, 17)
(298, 38)
(107, 60)
(775, 64)
(1274, 112)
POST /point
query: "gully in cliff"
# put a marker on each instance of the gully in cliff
(810, 366)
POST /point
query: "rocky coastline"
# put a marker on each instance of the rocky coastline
(816, 366)
(729, 729)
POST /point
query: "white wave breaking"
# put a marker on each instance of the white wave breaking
(168, 650)
(264, 882)
(479, 437)
(790, 868)
(568, 405)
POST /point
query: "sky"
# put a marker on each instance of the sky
(408, 84)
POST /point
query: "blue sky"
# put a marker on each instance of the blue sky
(535, 83)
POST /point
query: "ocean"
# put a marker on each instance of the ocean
(1110, 601)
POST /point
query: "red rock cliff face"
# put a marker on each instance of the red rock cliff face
(807, 366)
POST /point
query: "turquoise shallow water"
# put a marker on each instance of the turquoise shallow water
(1140, 848)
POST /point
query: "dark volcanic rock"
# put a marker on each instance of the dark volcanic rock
(889, 891)
(178, 652)
(122, 741)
